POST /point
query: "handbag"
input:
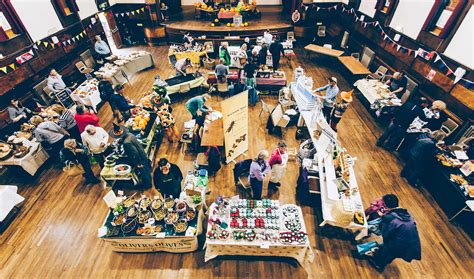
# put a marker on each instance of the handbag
(72, 169)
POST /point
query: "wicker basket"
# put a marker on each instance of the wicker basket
(209, 64)
(342, 216)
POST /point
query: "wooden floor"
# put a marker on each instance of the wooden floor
(55, 234)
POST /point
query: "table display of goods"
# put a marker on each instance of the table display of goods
(6, 150)
(146, 216)
(86, 88)
(264, 222)
(448, 161)
(108, 70)
(121, 60)
(139, 120)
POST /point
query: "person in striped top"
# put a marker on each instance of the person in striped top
(66, 121)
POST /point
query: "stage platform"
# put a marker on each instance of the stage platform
(272, 19)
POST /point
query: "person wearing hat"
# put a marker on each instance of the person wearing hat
(329, 99)
(278, 162)
(135, 153)
(258, 170)
(121, 103)
(196, 105)
(74, 153)
(167, 178)
(50, 135)
(339, 108)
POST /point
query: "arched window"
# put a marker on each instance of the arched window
(67, 11)
(443, 17)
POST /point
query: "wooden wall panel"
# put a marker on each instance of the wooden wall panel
(463, 95)
(443, 82)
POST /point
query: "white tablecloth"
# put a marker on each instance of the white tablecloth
(373, 90)
(30, 162)
(136, 65)
(92, 99)
(8, 200)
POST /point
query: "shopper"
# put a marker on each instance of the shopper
(122, 104)
(17, 112)
(97, 140)
(267, 37)
(84, 117)
(437, 115)
(136, 155)
(242, 56)
(262, 55)
(421, 152)
(196, 105)
(66, 120)
(329, 99)
(106, 91)
(276, 49)
(181, 66)
(248, 46)
(278, 162)
(396, 130)
(258, 170)
(224, 53)
(50, 135)
(101, 48)
(167, 178)
(250, 72)
(340, 108)
(222, 70)
(397, 84)
(400, 236)
(168, 123)
(74, 153)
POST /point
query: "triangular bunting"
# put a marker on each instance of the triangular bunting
(133, 12)
(385, 37)
(365, 24)
(127, 13)
(12, 66)
(143, 9)
(437, 58)
(398, 47)
(73, 39)
(45, 44)
(4, 69)
(317, 9)
(38, 43)
(449, 72)
(52, 45)
(416, 53)
(69, 41)
(35, 46)
(59, 43)
(122, 14)
(116, 15)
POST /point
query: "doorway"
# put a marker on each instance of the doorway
(110, 28)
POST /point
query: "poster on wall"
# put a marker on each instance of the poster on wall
(236, 127)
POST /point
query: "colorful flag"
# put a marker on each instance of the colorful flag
(12, 66)
(4, 69)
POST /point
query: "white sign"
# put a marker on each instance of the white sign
(236, 129)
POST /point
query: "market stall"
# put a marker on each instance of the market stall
(177, 52)
(152, 224)
(377, 94)
(185, 83)
(257, 228)
(87, 94)
(232, 77)
(340, 197)
(24, 151)
(269, 80)
(121, 67)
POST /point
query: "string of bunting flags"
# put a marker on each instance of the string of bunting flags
(428, 55)
(129, 13)
(49, 44)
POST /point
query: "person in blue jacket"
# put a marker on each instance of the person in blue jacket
(121, 103)
(196, 105)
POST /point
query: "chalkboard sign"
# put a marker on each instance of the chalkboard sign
(64, 98)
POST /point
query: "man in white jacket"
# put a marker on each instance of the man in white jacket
(97, 140)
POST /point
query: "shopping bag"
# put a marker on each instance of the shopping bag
(73, 169)
(368, 248)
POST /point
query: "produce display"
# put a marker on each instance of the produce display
(146, 216)
(260, 221)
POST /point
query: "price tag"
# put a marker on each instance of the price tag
(151, 221)
(161, 235)
(264, 245)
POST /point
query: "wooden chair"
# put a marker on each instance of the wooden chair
(265, 108)
(379, 74)
(449, 126)
(83, 69)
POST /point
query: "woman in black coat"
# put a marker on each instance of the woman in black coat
(167, 178)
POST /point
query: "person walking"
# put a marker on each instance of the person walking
(136, 155)
(122, 103)
(258, 170)
(106, 92)
(97, 140)
(400, 236)
(278, 161)
(167, 178)
(340, 108)
(74, 153)
(224, 53)
(329, 99)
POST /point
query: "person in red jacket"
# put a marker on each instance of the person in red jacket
(277, 162)
(84, 118)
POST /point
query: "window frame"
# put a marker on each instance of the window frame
(66, 19)
(438, 7)
(13, 20)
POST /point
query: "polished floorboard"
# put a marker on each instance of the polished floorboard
(55, 233)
